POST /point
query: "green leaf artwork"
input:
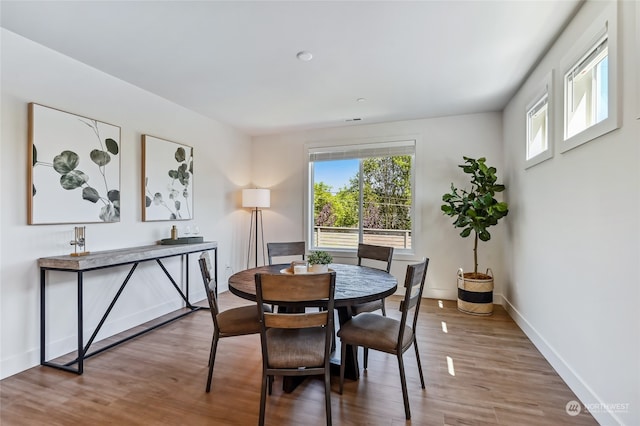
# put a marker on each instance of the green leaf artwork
(73, 171)
(168, 180)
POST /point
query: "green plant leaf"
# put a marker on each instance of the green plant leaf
(157, 198)
(147, 201)
(112, 146)
(90, 194)
(319, 257)
(65, 162)
(177, 204)
(74, 179)
(173, 174)
(101, 158)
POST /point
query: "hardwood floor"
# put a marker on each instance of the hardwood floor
(481, 371)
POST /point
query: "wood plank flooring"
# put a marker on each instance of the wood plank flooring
(481, 371)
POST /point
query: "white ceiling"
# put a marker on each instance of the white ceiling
(235, 61)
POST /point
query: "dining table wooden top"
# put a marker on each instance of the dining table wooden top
(354, 284)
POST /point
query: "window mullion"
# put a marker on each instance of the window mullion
(361, 203)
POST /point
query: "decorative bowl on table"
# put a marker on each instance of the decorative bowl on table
(299, 267)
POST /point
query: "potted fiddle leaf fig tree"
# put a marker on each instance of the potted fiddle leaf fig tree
(474, 211)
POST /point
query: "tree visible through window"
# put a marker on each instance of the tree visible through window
(363, 199)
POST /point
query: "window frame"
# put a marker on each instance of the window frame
(637, 61)
(605, 25)
(353, 146)
(544, 91)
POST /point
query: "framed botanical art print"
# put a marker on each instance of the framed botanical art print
(74, 168)
(167, 180)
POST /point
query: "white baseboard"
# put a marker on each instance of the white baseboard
(440, 293)
(586, 395)
(23, 361)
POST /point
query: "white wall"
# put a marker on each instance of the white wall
(441, 144)
(574, 239)
(32, 73)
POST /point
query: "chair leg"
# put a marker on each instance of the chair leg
(263, 398)
(415, 345)
(403, 382)
(384, 309)
(327, 394)
(270, 382)
(212, 358)
(210, 353)
(366, 357)
(343, 354)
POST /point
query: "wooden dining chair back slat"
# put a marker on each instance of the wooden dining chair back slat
(296, 344)
(381, 254)
(238, 321)
(210, 285)
(389, 335)
(294, 248)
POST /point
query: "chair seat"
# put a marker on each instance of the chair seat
(239, 321)
(375, 332)
(367, 307)
(292, 348)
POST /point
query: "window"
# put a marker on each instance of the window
(361, 193)
(590, 73)
(538, 128)
(539, 138)
(586, 87)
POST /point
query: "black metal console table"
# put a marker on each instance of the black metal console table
(108, 259)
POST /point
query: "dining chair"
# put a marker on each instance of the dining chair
(294, 248)
(380, 254)
(238, 321)
(387, 334)
(296, 344)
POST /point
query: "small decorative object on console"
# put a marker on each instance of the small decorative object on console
(79, 241)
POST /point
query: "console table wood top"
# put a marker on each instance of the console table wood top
(100, 259)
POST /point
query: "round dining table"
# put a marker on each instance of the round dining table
(354, 285)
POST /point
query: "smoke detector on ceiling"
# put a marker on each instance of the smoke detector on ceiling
(304, 56)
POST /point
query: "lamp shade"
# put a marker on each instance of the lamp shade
(256, 198)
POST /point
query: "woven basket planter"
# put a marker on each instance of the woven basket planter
(475, 294)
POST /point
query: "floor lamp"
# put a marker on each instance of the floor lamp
(256, 199)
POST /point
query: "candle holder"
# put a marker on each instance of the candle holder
(79, 241)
